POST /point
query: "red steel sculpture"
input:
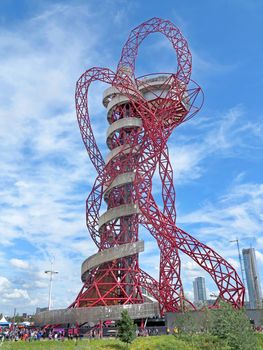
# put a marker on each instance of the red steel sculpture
(142, 113)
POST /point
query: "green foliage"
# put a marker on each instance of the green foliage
(233, 326)
(46, 345)
(204, 341)
(94, 344)
(126, 328)
(192, 322)
(224, 328)
(185, 323)
(260, 341)
(142, 343)
(164, 342)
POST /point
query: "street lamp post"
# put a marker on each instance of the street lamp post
(51, 272)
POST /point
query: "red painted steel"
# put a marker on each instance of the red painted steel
(143, 151)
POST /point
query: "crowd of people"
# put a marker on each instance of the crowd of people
(30, 334)
(21, 334)
(34, 334)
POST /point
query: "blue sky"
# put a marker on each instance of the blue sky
(45, 172)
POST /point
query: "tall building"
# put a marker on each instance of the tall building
(199, 291)
(252, 277)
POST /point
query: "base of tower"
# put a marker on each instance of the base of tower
(83, 315)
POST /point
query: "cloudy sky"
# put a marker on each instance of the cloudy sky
(45, 172)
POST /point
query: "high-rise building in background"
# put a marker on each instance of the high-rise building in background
(199, 291)
(252, 277)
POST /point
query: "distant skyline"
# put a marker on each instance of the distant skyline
(254, 291)
(46, 174)
(199, 291)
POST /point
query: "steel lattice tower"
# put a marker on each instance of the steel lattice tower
(142, 113)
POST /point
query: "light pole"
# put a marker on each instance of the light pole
(14, 319)
(51, 272)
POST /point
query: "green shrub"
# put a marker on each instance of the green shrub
(165, 342)
(260, 341)
(234, 327)
(126, 328)
(204, 341)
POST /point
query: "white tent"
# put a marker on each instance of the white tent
(4, 322)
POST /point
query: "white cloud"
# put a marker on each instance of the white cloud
(17, 294)
(259, 257)
(45, 170)
(227, 134)
(21, 264)
(205, 65)
(237, 212)
(41, 284)
(4, 283)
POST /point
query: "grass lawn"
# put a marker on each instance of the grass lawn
(144, 343)
(165, 342)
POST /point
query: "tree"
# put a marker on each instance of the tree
(126, 328)
(233, 326)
